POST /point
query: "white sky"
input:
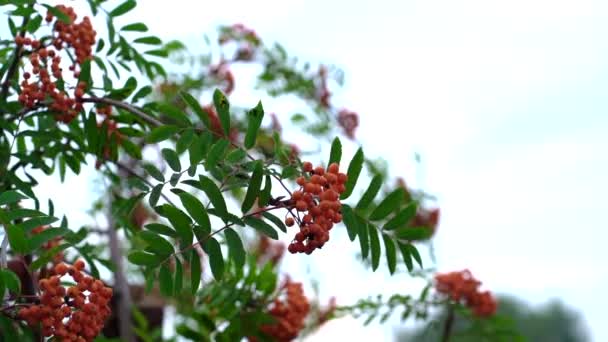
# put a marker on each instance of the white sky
(505, 101)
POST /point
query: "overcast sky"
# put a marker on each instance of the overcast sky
(505, 101)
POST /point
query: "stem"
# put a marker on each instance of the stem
(449, 322)
(130, 108)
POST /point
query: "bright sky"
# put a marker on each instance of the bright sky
(506, 102)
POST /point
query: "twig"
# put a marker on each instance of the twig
(130, 108)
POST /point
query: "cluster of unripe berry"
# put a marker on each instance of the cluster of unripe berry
(81, 38)
(289, 313)
(463, 287)
(56, 241)
(77, 313)
(319, 200)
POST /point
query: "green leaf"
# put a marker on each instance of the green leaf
(20, 213)
(180, 221)
(235, 156)
(223, 110)
(141, 93)
(58, 14)
(155, 194)
(150, 40)
(235, 247)
(123, 8)
(265, 194)
(137, 27)
(374, 244)
(370, 193)
(184, 141)
(214, 194)
(46, 235)
(388, 205)
(157, 244)
(261, 227)
(179, 277)
(196, 209)
(34, 24)
(143, 259)
(172, 159)
(174, 113)
(216, 153)
(354, 169)
(414, 252)
(32, 223)
(196, 107)
(11, 196)
(350, 222)
(336, 151)
(11, 281)
(391, 253)
(16, 238)
(85, 73)
(216, 260)
(254, 120)
(161, 133)
(195, 271)
(413, 233)
(254, 187)
(407, 257)
(363, 236)
(275, 220)
(161, 229)
(165, 279)
(198, 149)
(402, 218)
(154, 172)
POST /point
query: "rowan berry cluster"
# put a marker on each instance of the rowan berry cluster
(319, 200)
(246, 38)
(77, 313)
(289, 313)
(222, 73)
(56, 241)
(463, 287)
(78, 36)
(349, 121)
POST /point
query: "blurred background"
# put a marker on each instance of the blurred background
(504, 102)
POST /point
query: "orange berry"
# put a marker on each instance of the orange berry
(289, 221)
(333, 168)
(307, 166)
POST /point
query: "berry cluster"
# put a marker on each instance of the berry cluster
(349, 121)
(319, 200)
(462, 286)
(81, 38)
(322, 91)
(75, 314)
(56, 241)
(288, 313)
